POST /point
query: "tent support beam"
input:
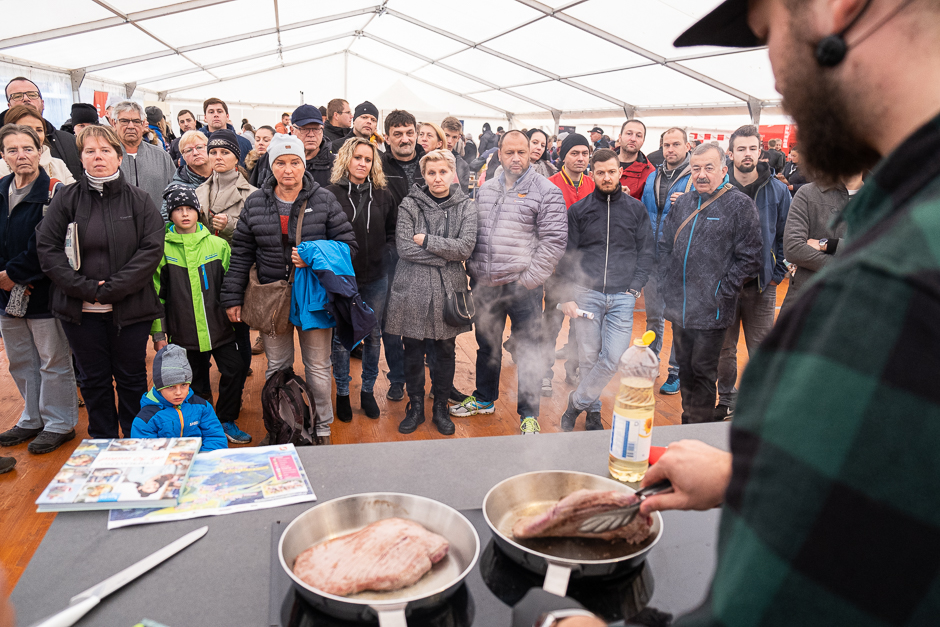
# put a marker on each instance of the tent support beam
(557, 118)
(252, 73)
(129, 89)
(754, 108)
(76, 76)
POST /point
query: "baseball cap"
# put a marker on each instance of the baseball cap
(597, 129)
(306, 114)
(725, 26)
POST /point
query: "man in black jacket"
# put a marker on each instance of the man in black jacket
(307, 124)
(606, 264)
(338, 123)
(22, 91)
(709, 246)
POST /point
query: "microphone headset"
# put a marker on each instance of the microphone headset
(831, 50)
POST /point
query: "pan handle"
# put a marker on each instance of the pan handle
(556, 579)
(392, 615)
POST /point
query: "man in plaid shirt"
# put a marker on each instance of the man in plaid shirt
(831, 493)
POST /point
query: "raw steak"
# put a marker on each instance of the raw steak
(387, 555)
(563, 519)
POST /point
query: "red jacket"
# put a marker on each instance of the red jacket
(569, 191)
(634, 176)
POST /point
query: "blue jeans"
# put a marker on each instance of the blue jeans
(601, 342)
(524, 309)
(655, 320)
(373, 294)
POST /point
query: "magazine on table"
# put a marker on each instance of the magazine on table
(227, 481)
(129, 473)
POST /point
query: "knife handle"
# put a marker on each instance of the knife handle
(70, 615)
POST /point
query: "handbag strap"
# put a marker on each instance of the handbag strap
(297, 233)
(701, 208)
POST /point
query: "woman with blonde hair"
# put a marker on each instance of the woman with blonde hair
(359, 185)
(431, 137)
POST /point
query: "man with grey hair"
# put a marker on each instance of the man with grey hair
(709, 246)
(145, 165)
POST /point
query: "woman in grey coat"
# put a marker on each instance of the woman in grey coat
(436, 232)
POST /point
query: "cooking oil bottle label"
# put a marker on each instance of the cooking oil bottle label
(630, 438)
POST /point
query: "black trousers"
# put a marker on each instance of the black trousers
(442, 379)
(109, 357)
(697, 351)
(232, 370)
(243, 339)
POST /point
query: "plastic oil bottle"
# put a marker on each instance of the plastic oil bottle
(634, 412)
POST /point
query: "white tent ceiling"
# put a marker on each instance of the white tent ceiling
(488, 59)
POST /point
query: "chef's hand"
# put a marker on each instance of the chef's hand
(570, 309)
(234, 313)
(295, 257)
(699, 474)
(219, 221)
(419, 239)
(6, 283)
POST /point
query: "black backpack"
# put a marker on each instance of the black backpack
(288, 410)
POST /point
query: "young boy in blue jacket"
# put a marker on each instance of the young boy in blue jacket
(171, 410)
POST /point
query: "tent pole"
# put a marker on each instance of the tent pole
(77, 76)
(346, 75)
(556, 115)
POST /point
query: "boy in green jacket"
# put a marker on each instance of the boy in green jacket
(188, 282)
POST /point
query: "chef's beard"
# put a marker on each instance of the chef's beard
(833, 145)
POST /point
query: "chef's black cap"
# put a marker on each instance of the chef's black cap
(725, 26)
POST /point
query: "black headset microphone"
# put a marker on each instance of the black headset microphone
(831, 50)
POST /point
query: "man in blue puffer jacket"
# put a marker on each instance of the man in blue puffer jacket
(663, 186)
(758, 299)
(709, 246)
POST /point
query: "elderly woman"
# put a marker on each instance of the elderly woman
(359, 186)
(257, 161)
(103, 287)
(195, 168)
(436, 232)
(27, 116)
(35, 345)
(266, 237)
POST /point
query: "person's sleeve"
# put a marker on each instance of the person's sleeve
(158, 328)
(746, 256)
(338, 227)
(644, 248)
(213, 437)
(50, 244)
(552, 233)
(783, 209)
(569, 266)
(667, 234)
(145, 429)
(25, 268)
(458, 247)
(407, 248)
(140, 267)
(795, 234)
(244, 253)
(463, 175)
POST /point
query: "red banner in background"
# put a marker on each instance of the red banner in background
(101, 102)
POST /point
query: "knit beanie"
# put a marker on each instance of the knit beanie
(285, 145)
(227, 139)
(574, 139)
(171, 367)
(154, 115)
(84, 113)
(366, 108)
(177, 195)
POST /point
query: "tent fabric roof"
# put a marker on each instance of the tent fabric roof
(505, 58)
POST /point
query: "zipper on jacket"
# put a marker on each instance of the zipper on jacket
(180, 412)
(717, 308)
(607, 250)
(685, 262)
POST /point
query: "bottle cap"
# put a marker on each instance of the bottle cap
(646, 339)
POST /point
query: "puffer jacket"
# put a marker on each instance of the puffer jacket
(258, 239)
(683, 184)
(321, 166)
(229, 201)
(135, 236)
(260, 169)
(374, 226)
(521, 232)
(193, 418)
(416, 305)
(702, 273)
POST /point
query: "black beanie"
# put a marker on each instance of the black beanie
(573, 139)
(178, 195)
(366, 108)
(154, 115)
(84, 113)
(227, 139)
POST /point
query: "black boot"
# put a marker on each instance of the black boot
(570, 417)
(368, 404)
(594, 421)
(441, 418)
(343, 408)
(414, 415)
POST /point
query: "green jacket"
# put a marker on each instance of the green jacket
(831, 516)
(188, 282)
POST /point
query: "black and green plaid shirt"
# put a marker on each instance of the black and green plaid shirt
(832, 516)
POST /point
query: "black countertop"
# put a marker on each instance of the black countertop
(224, 579)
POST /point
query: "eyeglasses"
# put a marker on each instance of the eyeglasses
(197, 148)
(308, 131)
(124, 122)
(23, 95)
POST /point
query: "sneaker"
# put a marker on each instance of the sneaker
(7, 464)
(671, 386)
(343, 408)
(530, 426)
(258, 347)
(234, 434)
(570, 417)
(723, 412)
(396, 391)
(593, 422)
(17, 435)
(471, 407)
(546, 386)
(46, 442)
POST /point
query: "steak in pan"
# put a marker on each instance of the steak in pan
(563, 519)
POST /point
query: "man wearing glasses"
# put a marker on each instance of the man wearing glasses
(307, 125)
(145, 165)
(22, 91)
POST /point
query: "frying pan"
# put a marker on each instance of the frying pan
(559, 559)
(351, 513)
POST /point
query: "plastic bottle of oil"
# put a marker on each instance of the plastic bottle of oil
(634, 412)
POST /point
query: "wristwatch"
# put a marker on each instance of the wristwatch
(636, 293)
(823, 244)
(549, 619)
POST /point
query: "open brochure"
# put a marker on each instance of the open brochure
(110, 474)
(227, 481)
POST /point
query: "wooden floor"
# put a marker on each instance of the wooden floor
(22, 529)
